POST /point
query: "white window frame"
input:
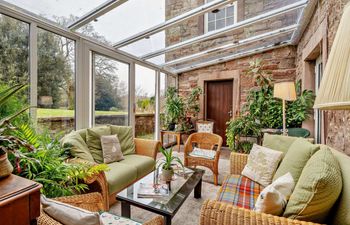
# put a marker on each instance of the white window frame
(234, 4)
(318, 115)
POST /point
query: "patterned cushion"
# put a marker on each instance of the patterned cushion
(205, 127)
(239, 191)
(203, 153)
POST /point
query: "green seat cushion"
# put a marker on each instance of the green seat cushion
(126, 138)
(93, 141)
(317, 190)
(143, 164)
(77, 146)
(296, 158)
(120, 176)
(278, 142)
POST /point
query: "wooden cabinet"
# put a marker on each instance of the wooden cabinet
(19, 201)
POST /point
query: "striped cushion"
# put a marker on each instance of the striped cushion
(239, 191)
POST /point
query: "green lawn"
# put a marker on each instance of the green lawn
(47, 113)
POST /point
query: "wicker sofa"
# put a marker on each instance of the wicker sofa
(215, 212)
(92, 202)
(125, 172)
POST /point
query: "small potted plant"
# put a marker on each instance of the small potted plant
(167, 164)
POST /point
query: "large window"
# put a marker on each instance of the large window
(111, 85)
(56, 82)
(145, 99)
(14, 63)
(221, 18)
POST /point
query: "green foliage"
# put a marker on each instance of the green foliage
(174, 106)
(262, 110)
(245, 146)
(192, 102)
(46, 164)
(242, 126)
(169, 160)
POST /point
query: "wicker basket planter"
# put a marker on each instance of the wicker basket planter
(5, 166)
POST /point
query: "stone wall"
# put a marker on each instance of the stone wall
(328, 14)
(280, 63)
(144, 123)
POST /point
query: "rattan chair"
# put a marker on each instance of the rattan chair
(92, 202)
(204, 141)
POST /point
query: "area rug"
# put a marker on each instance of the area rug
(189, 212)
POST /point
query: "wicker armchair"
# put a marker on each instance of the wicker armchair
(204, 141)
(92, 202)
(218, 213)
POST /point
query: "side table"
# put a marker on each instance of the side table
(19, 200)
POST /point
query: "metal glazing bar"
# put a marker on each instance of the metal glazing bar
(95, 13)
(173, 21)
(231, 45)
(232, 57)
(222, 31)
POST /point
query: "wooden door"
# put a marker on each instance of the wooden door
(219, 105)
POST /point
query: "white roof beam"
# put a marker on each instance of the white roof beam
(231, 57)
(222, 31)
(274, 33)
(173, 21)
(95, 13)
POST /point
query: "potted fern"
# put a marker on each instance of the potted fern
(167, 164)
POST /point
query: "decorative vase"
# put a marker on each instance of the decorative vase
(167, 175)
(5, 166)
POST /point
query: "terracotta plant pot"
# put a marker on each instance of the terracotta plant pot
(5, 166)
(167, 175)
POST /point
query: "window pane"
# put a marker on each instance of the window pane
(111, 91)
(220, 24)
(229, 21)
(211, 26)
(145, 92)
(56, 82)
(14, 64)
(220, 14)
(211, 16)
(230, 11)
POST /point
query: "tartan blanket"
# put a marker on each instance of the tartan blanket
(239, 191)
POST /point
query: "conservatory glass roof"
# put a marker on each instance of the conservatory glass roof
(179, 36)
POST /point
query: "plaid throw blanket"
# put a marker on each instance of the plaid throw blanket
(239, 191)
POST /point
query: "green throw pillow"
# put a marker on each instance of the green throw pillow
(296, 158)
(317, 190)
(93, 140)
(126, 138)
(278, 142)
(77, 146)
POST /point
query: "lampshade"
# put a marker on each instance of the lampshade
(285, 91)
(334, 91)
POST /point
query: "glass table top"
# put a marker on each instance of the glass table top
(180, 189)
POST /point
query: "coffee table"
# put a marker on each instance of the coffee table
(181, 187)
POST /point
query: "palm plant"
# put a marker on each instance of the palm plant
(168, 162)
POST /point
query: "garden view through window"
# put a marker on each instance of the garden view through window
(111, 79)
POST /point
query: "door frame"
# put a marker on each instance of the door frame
(217, 76)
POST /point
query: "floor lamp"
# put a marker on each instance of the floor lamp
(286, 92)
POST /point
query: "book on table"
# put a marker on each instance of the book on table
(150, 190)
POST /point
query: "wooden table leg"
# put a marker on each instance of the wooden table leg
(161, 138)
(126, 212)
(178, 140)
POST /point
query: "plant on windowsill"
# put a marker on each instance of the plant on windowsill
(167, 164)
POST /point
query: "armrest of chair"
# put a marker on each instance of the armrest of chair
(147, 147)
(158, 220)
(237, 162)
(96, 183)
(219, 213)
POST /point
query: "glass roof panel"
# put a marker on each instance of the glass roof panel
(56, 9)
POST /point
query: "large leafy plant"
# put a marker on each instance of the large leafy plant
(174, 107)
(40, 157)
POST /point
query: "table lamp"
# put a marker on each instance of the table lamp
(286, 92)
